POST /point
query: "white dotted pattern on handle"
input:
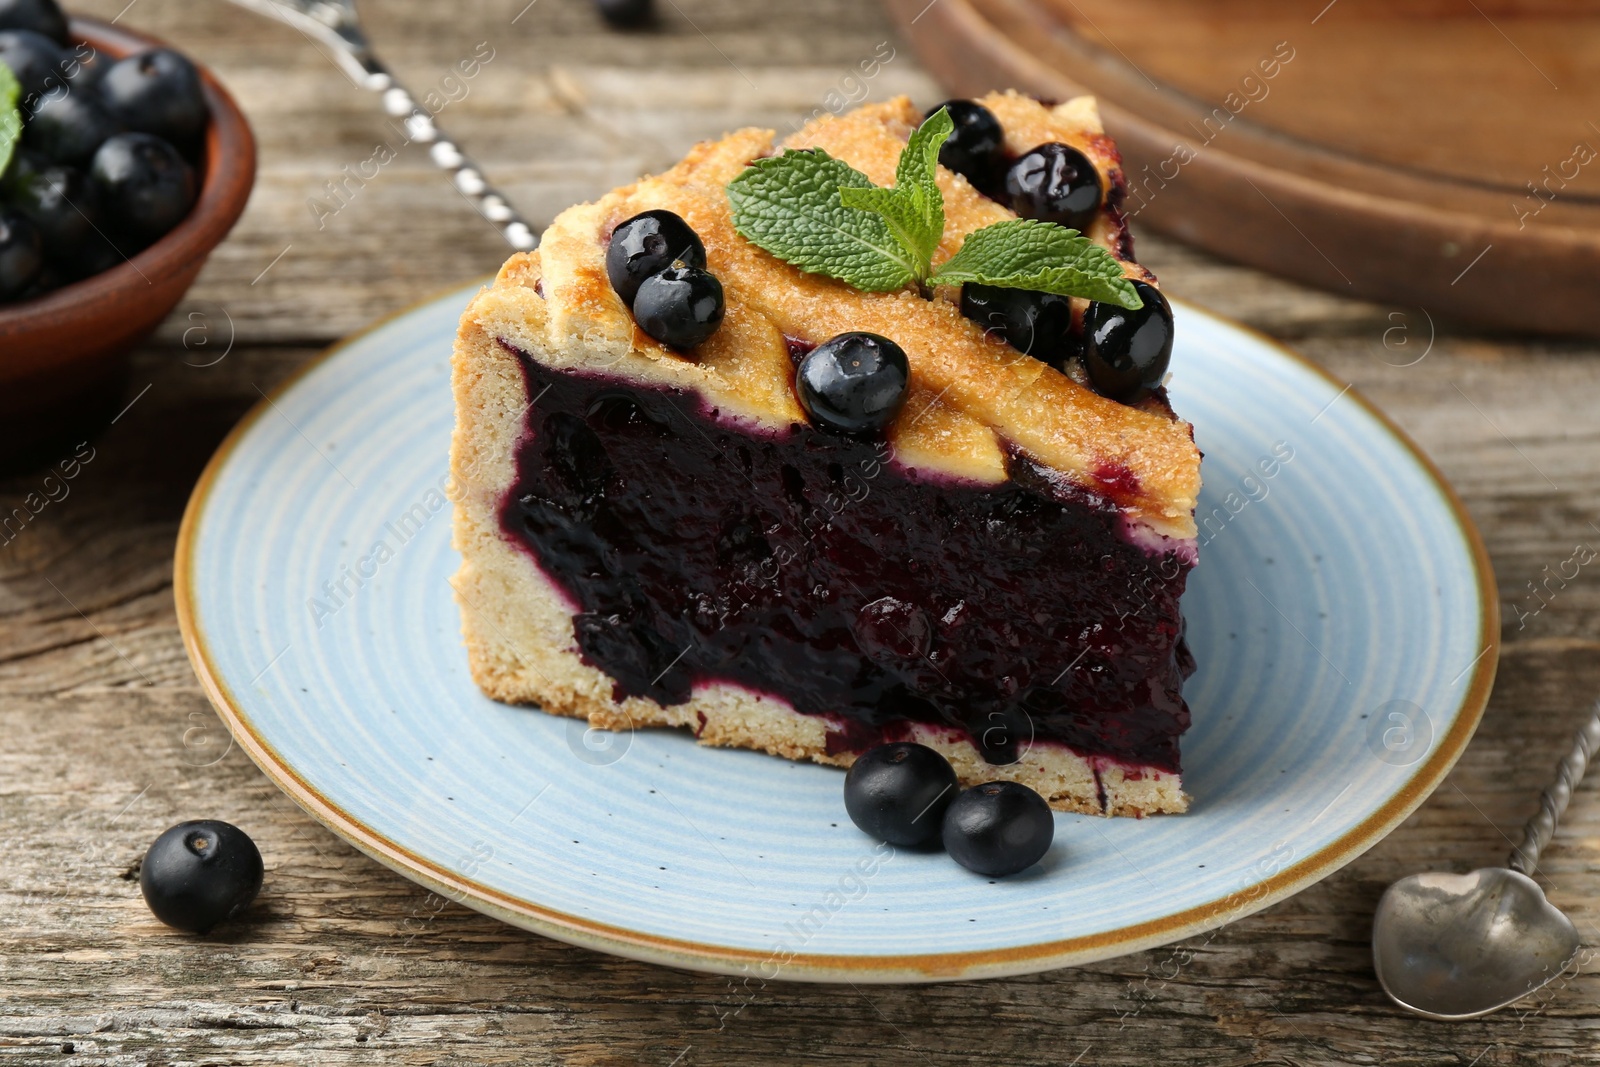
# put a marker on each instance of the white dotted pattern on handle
(337, 27)
(1553, 803)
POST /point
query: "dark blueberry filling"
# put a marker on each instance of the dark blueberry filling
(806, 566)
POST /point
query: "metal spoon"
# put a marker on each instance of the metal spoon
(335, 26)
(1457, 946)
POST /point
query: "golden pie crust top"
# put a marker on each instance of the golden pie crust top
(971, 394)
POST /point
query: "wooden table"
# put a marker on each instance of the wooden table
(347, 963)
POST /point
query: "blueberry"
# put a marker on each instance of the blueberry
(21, 255)
(36, 62)
(647, 244)
(625, 14)
(156, 92)
(998, 828)
(85, 67)
(62, 204)
(199, 874)
(1126, 352)
(67, 127)
(680, 306)
(145, 186)
(47, 280)
(899, 792)
(41, 16)
(1054, 183)
(95, 255)
(975, 148)
(25, 163)
(854, 383)
(1035, 324)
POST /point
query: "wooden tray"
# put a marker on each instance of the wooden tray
(1433, 153)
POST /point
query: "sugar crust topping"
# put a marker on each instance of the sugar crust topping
(971, 394)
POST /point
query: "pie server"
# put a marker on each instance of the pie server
(1457, 946)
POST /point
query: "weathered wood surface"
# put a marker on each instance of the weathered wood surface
(348, 963)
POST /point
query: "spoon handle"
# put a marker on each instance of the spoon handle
(336, 26)
(1536, 835)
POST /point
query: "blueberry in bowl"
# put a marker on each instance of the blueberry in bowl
(21, 253)
(143, 182)
(121, 236)
(43, 17)
(157, 93)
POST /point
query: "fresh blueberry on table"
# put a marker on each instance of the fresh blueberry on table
(144, 184)
(975, 147)
(1035, 324)
(899, 792)
(156, 92)
(998, 828)
(200, 874)
(67, 127)
(626, 14)
(680, 306)
(1126, 353)
(855, 383)
(647, 244)
(36, 61)
(1054, 183)
(21, 253)
(41, 16)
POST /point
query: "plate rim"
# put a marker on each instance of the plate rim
(824, 967)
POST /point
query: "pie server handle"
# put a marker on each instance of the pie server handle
(1553, 802)
(336, 27)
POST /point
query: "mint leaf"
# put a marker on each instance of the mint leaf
(904, 217)
(790, 206)
(10, 117)
(824, 216)
(917, 172)
(914, 208)
(1027, 254)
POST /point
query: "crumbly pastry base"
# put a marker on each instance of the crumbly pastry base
(517, 623)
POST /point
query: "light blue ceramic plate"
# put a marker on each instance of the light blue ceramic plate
(1343, 615)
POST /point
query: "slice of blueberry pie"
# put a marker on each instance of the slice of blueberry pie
(855, 438)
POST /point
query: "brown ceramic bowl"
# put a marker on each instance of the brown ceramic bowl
(63, 355)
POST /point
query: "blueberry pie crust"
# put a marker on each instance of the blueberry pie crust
(798, 517)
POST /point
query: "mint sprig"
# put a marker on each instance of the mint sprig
(10, 115)
(914, 208)
(824, 216)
